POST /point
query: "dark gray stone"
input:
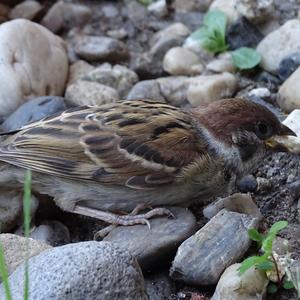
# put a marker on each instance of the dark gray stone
(243, 33)
(34, 110)
(288, 65)
(268, 78)
(201, 259)
(51, 232)
(146, 89)
(158, 286)
(155, 245)
(247, 184)
(87, 270)
(100, 48)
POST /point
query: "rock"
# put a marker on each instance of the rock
(156, 244)
(268, 78)
(288, 66)
(205, 89)
(223, 63)
(241, 203)
(78, 70)
(249, 286)
(279, 44)
(51, 232)
(147, 89)
(158, 8)
(87, 270)
(260, 93)
(90, 93)
(289, 93)
(255, 11)
(118, 77)
(28, 9)
(158, 286)
(34, 110)
(118, 34)
(101, 48)
(227, 7)
(293, 121)
(11, 209)
(192, 5)
(34, 63)
(14, 249)
(181, 61)
(175, 30)
(201, 259)
(66, 15)
(236, 37)
(247, 184)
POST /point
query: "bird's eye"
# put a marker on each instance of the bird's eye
(263, 130)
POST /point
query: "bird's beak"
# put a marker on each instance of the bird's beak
(282, 141)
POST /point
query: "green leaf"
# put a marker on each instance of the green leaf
(288, 285)
(249, 262)
(145, 2)
(276, 227)
(215, 21)
(272, 288)
(255, 235)
(265, 265)
(4, 275)
(245, 58)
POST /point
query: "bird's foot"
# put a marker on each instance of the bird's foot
(126, 220)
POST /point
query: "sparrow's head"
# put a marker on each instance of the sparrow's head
(249, 127)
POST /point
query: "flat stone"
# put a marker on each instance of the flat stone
(34, 63)
(279, 44)
(34, 110)
(101, 48)
(26, 10)
(236, 37)
(14, 249)
(87, 270)
(202, 258)
(205, 89)
(66, 15)
(241, 203)
(90, 93)
(249, 286)
(156, 244)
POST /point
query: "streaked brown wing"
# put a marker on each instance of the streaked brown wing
(140, 144)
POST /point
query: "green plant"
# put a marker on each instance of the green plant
(212, 37)
(266, 261)
(145, 2)
(3, 268)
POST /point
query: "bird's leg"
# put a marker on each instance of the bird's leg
(124, 220)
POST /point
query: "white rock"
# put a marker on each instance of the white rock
(158, 8)
(249, 286)
(26, 10)
(293, 121)
(205, 89)
(33, 62)
(279, 44)
(255, 10)
(222, 64)
(182, 61)
(90, 93)
(227, 7)
(260, 92)
(289, 92)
